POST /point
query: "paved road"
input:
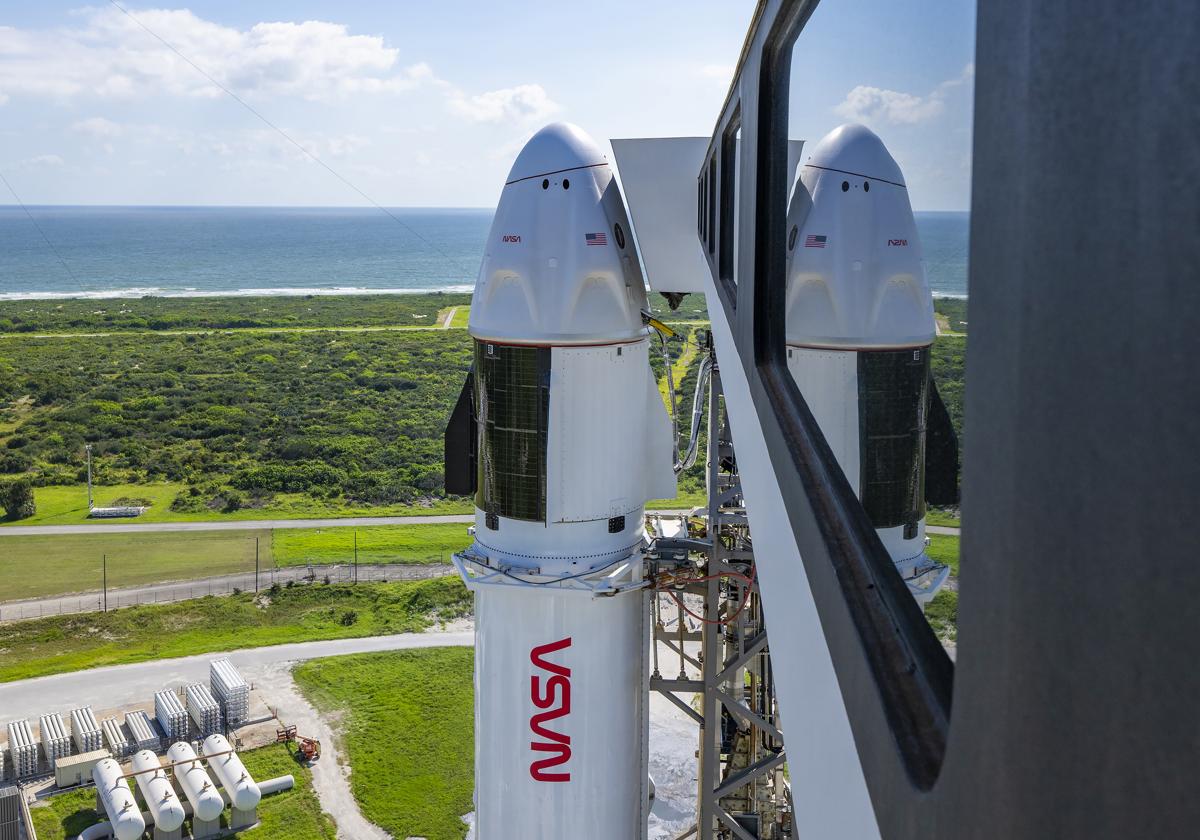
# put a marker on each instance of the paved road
(230, 525)
(122, 685)
(183, 590)
(262, 524)
(449, 317)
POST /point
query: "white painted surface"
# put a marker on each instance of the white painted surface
(658, 177)
(540, 281)
(157, 791)
(867, 280)
(119, 804)
(828, 786)
(203, 795)
(596, 792)
(231, 773)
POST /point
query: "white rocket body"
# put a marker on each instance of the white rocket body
(573, 439)
(860, 324)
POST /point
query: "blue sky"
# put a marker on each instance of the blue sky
(426, 103)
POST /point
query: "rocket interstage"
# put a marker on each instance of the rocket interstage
(860, 326)
(568, 439)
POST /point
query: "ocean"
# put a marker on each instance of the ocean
(106, 252)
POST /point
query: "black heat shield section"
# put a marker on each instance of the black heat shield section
(461, 442)
(941, 453)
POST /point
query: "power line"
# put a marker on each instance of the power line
(431, 245)
(50, 244)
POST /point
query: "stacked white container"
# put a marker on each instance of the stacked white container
(172, 716)
(141, 731)
(203, 708)
(23, 748)
(118, 740)
(85, 730)
(56, 741)
(230, 689)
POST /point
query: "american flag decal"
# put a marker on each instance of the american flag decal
(595, 238)
(814, 241)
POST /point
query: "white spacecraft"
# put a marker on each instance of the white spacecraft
(859, 329)
(562, 437)
(571, 439)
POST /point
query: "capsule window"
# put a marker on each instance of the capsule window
(619, 235)
(845, 186)
(566, 184)
(792, 237)
(545, 183)
(866, 186)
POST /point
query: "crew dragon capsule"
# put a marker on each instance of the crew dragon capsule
(860, 326)
(562, 437)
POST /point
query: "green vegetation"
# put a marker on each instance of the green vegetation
(946, 517)
(408, 732)
(276, 616)
(67, 505)
(44, 566)
(376, 544)
(952, 313)
(948, 364)
(227, 313)
(942, 611)
(290, 815)
(16, 498)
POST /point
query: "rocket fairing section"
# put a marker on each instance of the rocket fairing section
(570, 439)
(860, 325)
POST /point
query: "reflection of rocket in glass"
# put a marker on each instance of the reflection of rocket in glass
(562, 437)
(859, 329)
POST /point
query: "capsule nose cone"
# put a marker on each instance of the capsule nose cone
(556, 148)
(856, 150)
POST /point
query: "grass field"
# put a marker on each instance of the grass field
(277, 616)
(942, 611)
(45, 566)
(290, 815)
(946, 518)
(461, 316)
(67, 505)
(408, 730)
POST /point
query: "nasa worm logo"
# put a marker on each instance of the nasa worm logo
(511, 237)
(897, 243)
(554, 697)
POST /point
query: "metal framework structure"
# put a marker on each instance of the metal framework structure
(742, 791)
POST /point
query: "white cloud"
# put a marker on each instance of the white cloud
(867, 104)
(523, 103)
(40, 162)
(110, 55)
(97, 127)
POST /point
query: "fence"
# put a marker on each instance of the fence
(166, 593)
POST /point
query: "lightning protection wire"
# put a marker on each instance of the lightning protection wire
(428, 243)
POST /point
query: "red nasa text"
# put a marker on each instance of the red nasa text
(554, 696)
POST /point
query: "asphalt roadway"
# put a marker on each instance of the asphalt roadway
(117, 686)
(263, 524)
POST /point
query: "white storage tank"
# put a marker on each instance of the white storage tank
(117, 737)
(152, 780)
(56, 741)
(85, 730)
(123, 813)
(141, 730)
(231, 773)
(23, 748)
(193, 778)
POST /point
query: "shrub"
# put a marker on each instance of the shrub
(349, 617)
(17, 498)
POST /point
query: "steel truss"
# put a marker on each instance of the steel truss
(742, 791)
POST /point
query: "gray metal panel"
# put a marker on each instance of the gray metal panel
(1074, 704)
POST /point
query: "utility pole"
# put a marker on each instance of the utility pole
(88, 448)
(105, 562)
(356, 555)
(256, 565)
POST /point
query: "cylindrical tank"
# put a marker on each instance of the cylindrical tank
(860, 324)
(119, 805)
(572, 440)
(156, 788)
(193, 778)
(231, 773)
